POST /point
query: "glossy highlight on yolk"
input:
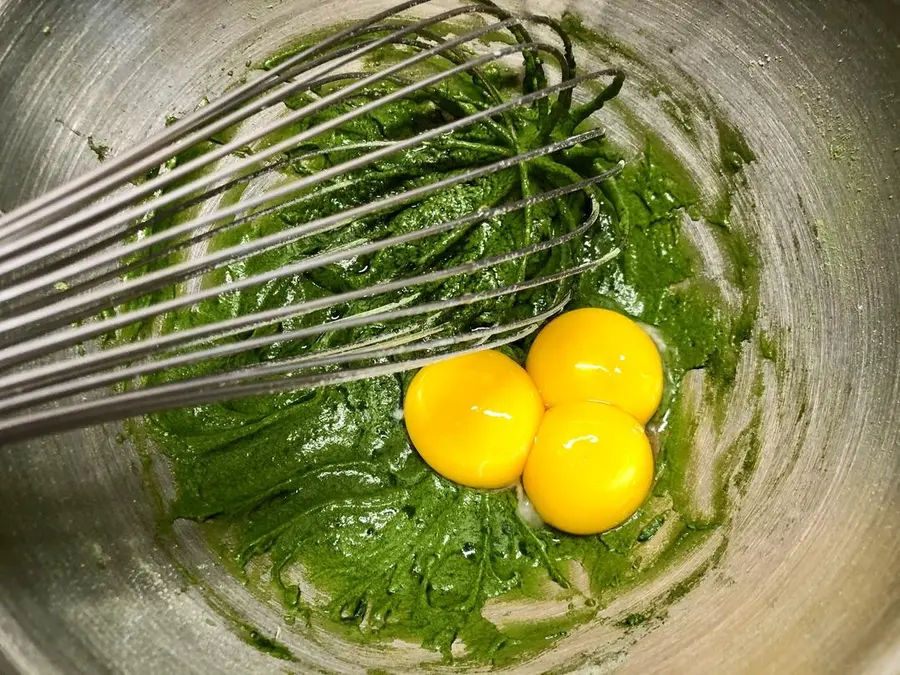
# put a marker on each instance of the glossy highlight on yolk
(473, 418)
(590, 469)
(597, 355)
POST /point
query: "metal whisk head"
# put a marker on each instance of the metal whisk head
(290, 235)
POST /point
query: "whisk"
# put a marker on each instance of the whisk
(106, 282)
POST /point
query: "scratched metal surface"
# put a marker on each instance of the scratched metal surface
(808, 582)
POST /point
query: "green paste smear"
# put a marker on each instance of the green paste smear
(325, 485)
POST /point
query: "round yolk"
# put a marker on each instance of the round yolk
(597, 355)
(473, 418)
(590, 469)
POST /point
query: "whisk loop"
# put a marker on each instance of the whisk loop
(145, 285)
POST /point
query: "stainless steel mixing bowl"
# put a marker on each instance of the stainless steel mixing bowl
(809, 581)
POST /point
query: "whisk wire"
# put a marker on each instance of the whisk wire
(23, 382)
(149, 187)
(155, 151)
(187, 394)
(46, 319)
(72, 261)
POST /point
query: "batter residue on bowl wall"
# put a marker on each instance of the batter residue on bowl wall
(322, 491)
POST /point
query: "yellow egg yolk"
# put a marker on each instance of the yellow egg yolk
(590, 469)
(597, 355)
(473, 418)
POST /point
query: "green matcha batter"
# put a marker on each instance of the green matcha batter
(325, 485)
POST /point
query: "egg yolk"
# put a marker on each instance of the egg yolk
(597, 355)
(473, 418)
(590, 469)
